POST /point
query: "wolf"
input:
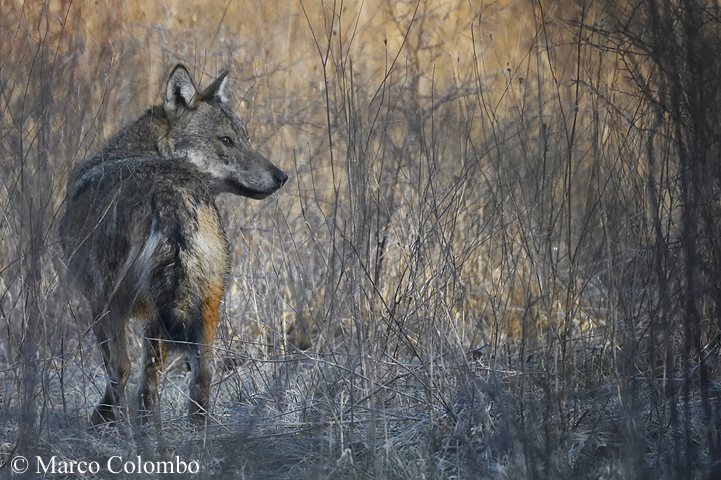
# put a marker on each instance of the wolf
(142, 236)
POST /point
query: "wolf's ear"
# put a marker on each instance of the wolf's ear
(180, 91)
(216, 90)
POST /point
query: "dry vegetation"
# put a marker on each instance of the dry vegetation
(497, 257)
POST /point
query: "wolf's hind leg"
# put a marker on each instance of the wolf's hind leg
(155, 352)
(111, 333)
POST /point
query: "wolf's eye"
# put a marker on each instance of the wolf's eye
(227, 141)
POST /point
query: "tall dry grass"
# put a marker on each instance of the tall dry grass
(496, 256)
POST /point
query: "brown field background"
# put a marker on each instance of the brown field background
(497, 255)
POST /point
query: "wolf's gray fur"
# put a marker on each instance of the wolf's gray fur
(142, 235)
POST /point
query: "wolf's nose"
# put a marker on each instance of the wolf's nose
(280, 177)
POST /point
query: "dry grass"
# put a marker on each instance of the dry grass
(496, 256)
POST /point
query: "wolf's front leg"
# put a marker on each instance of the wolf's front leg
(201, 355)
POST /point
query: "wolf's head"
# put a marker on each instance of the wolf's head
(203, 130)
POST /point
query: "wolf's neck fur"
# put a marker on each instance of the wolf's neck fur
(144, 136)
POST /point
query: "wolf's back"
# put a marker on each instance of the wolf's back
(134, 224)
